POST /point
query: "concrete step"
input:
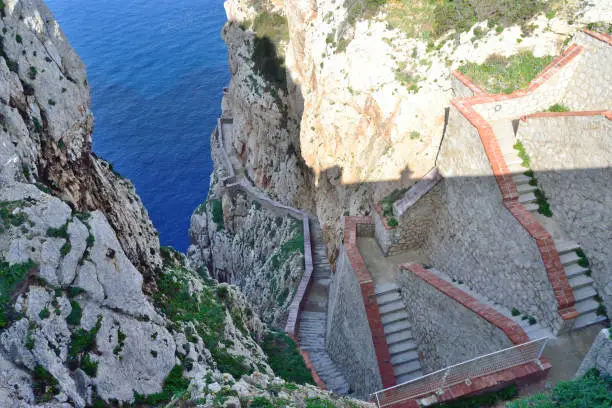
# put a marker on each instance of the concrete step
(387, 298)
(404, 357)
(532, 207)
(383, 288)
(580, 281)
(586, 306)
(588, 319)
(315, 315)
(566, 246)
(399, 337)
(584, 293)
(521, 179)
(402, 347)
(569, 258)
(527, 198)
(391, 307)
(394, 317)
(575, 270)
(516, 168)
(406, 368)
(396, 327)
(400, 379)
(526, 188)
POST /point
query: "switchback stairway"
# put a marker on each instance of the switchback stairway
(578, 275)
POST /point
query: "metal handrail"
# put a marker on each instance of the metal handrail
(440, 380)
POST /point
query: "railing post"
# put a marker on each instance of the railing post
(542, 348)
(377, 400)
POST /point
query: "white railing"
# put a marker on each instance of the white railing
(438, 381)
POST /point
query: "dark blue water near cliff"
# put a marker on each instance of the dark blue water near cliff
(156, 69)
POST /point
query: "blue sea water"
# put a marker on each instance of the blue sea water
(156, 69)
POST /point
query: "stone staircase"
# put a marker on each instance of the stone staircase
(582, 285)
(312, 321)
(402, 346)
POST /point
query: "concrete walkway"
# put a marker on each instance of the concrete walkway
(383, 269)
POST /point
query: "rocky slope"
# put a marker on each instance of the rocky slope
(92, 310)
(360, 110)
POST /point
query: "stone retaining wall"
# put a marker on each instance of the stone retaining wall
(476, 239)
(352, 227)
(599, 356)
(571, 155)
(416, 213)
(349, 338)
(449, 325)
(591, 86)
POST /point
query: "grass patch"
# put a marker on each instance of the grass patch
(61, 232)
(407, 78)
(44, 385)
(500, 74)
(392, 222)
(10, 277)
(261, 402)
(285, 359)
(217, 213)
(271, 30)
(592, 391)
(89, 366)
(558, 108)
(583, 261)
(44, 313)
(484, 400)
(522, 154)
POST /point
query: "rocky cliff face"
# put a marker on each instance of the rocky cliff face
(362, 108)
(92, 310)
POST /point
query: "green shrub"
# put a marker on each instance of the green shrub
(261, 402)
(174, 385)
(82, 341)
(285, 359)
(44, 385)
(515, 311)
(319, 403)
(19, 39)
(89, 366)
(10, 277)
(44, 313)
(74, 291)
(386, 204)
(543, 205)
(590, 391)
(288, 248)
(526, 162)
(392, 222)
(74, 318)
(217, 213)
(61, 232)
(461, 15)
(500, 74)
(558, 108)
(65, 249)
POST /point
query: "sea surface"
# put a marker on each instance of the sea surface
(156, 69)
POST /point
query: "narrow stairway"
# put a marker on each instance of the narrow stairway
(579, 275)
(402, 346)
(313, 318)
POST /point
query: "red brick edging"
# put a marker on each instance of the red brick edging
(605, 113)
(465, 80)
(513, 330)
(369, 298)
(550, 257)
(607, 38)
